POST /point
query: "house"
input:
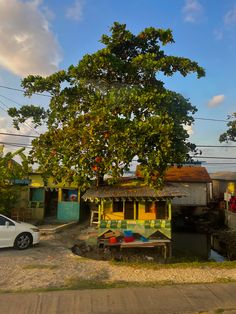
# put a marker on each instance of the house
(222, 182)
(57, 200)
(196, 184)
(131, 205)
(224, 189)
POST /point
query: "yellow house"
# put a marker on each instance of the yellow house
(132, 205)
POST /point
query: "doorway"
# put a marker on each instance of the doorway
(51, 201)
(129, 210)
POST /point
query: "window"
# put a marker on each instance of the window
(162, 210)
(129, 210)
(36, 194)
(118, 207)
(69, 195)
(3, 221)
(150, 207)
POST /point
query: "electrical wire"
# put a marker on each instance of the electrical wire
(16, 145)
(213, 157)
(23, 91)
(21, 135)
(25, 123)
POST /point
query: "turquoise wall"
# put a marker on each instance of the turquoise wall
(37, 194)
(68, 211)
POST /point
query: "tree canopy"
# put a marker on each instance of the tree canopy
(110, 108)
(230, 134)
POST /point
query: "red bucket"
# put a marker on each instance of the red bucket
(113, 240)
(129, 239)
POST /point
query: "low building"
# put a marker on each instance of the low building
(60, 201)
(131, 205)
(224, 189)
(196, 184)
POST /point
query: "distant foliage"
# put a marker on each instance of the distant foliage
(10, 170)
(230, 134)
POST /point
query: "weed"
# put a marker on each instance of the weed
(40, 266)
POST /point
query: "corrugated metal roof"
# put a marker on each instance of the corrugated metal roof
(138, 191)
(187, 174)
(223, 175)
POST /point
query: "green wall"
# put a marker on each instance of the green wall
(68, 211)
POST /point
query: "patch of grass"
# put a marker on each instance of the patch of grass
(183, 265)
(40, 266)
(82, 284)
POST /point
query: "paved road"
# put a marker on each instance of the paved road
(165, 299)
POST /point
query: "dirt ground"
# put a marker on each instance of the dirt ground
(51, 264)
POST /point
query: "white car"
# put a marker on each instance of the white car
(16, 234)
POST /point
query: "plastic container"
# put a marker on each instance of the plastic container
(129, 239)
(128, 233)
(112, 240)
(144, 239)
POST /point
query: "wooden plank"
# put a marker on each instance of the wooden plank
(145, 244)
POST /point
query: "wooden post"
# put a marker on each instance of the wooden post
(169, 209)
(59, 194)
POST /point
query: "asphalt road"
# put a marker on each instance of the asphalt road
(207, 298)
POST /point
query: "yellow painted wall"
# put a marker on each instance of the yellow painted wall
(114, 216)
(108, 214)
(37, 181)
(231, 188)
(142, 215)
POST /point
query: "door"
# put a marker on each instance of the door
(7, 232)
(129, 210)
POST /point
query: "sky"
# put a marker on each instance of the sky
(42, 36)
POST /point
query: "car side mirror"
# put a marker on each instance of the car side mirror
(7, 224)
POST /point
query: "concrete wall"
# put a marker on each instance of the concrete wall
(230, 219)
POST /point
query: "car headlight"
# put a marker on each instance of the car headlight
(35, 229)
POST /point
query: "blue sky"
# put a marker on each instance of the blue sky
(42, 36)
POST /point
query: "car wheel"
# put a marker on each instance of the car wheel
(23, 241)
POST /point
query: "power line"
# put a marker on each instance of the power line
(208, 119)
(15, 144)
(25, 123)
(213, 157)
(21, 135)
(220, 163)
(22, 91)
(10, 99)
(218, 146)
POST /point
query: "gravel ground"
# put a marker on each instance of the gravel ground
(52, 264)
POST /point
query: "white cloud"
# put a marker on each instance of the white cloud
(216, 100)
(230, 17)
(75, 12)
(192, 11)
(27, 44)
(189, 129)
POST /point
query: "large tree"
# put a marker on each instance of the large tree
(110, 108)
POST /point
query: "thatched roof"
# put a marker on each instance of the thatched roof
(131, 191)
